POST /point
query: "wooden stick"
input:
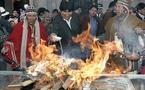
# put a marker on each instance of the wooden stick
(68, 83)
(57, 85)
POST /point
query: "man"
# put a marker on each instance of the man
(91, 18)
(5, 29)
(127, 28)
(25, 33)
(110, 12)
(100, 13)
(66, 25)
(141, 11)
(125, 19)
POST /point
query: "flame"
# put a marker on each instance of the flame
(41, 51)
(94, 66)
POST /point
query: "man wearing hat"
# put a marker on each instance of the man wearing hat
(100, 11)
(5, 29)
(4, 22)
(67, 24)
(127, 28)
(141, 11)
(27, 32)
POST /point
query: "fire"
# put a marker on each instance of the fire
(56, 67)
(96, 64)
(41, 51)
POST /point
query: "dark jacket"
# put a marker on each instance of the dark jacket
(61, 28)
(139, 16)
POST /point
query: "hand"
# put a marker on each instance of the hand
(132, 57)
(139, 31)
(18, 69)
(54, 37)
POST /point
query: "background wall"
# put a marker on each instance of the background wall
(52, 4)
(49, 4)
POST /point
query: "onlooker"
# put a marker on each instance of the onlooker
(110, 12)
(141, 11)
(100, 11)
(55, 13)
(14, 18)
(126, 28)
(41, 12)
(78, 10)
(4, 23)
(5, 29)
(92, 19)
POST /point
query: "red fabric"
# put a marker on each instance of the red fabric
(143, 70)
(16, 38)
(8, 51)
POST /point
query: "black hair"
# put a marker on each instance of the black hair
(64, 5)
(112, 4)
(55, 10)
(91, 6)
(41, 11)
(140, 6)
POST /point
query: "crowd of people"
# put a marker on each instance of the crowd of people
(21, 28)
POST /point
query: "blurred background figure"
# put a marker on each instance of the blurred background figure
(41, 12)
(110, 12)
(5, 30)
(55, 13)
(45, 17)
(92, 19)
(140, 13)
(78, 10)
(14, 18)
(100, 11)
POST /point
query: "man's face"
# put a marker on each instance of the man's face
(31, 18)
(15, 13)
(93, 11)
(66, 14)
(142, 11)
(119, 8)
(100, 10)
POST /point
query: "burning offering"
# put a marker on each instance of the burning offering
(59, 71)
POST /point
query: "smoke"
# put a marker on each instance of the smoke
(130, 38)
(75, 51)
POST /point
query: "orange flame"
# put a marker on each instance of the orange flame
(89, 70)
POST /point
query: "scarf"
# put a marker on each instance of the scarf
(24, 41)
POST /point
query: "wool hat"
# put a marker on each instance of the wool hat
(31, 10)
(124, 2)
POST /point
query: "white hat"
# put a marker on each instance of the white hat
(3, 12)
